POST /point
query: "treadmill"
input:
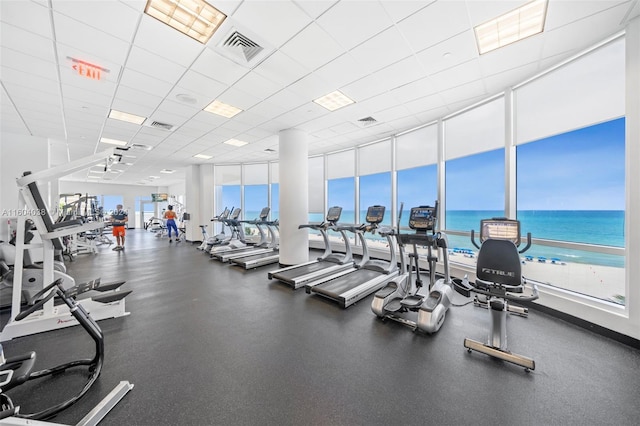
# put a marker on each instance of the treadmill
(266, 245)
(240, 244)
(264, 258)
(369, 276)
(329, 263)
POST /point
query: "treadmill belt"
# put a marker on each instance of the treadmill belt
(303, 270)
(338, 286)
(246, 259)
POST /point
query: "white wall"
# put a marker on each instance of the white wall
(19, 153)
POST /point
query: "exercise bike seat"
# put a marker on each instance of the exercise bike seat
(432, 301)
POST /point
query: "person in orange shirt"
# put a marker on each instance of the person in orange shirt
(171, 217)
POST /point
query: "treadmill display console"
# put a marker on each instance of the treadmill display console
(375, 214)
(264, 213)
(423, 218)
(333, 215)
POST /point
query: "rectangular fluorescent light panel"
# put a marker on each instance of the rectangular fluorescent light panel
(334, 100)
(125, 116)
(511, 27)
(236, 142)
(220, 108)
(203, 156)
(168, 171)
(195, 18)
(113, 141)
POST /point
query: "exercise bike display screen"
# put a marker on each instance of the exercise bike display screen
(500, 229)
(375, 214)
(423, 218)
(333, 215)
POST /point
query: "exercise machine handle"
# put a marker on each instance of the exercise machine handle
(473, 239)
(528, 243)
(36, 306)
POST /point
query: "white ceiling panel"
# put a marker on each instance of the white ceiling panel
(313, 47)
(161, 39)
(261, 17)
(353, 22)
(389, 41)
(84, 38)
(404, 62)
(155, 66)
(434, 24)
(101, 15)
(145, 83)
(13, 12)
(219, 68)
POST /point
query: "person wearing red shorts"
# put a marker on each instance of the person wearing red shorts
(119, 219)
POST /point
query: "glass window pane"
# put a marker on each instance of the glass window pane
(480, 129)
(416, 187)
(375, 189)
(475, 191)
(341, 192)
(586, 91)
(255, 199)
(316, 185)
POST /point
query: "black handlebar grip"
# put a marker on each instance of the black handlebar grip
(22, 315)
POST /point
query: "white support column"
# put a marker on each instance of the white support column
(442, 202)
(632, 214)
(510, 205)
(192, 202)
(294, 196)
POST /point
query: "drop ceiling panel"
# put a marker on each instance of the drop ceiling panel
(30, 65)
(401, 73)
(163, 40)
(261, 16)
(143, 102)
(87, 97)
(216, 66)
(313, 47)
(80, 37)
(449, 53)
(353, 22)
(483, 11)
(364, 88)
(561, 13)
(315, 8)
(414, 90)
(257, 85)
(401, 9)
(102, 15)
(389, 41)
(281, 69)
(438, 22)
(145, 83)
(203, 89)
(238, 98)
(155, 66)
(342, 71)
(311, 87)
(38, 23)
(523, 52)
(21, 40)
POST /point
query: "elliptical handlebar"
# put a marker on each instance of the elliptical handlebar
(528, 243)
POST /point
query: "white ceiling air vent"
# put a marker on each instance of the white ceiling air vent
(159, 125)
(367, 121)
(244, 47)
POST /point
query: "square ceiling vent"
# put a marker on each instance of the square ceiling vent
(244, 48)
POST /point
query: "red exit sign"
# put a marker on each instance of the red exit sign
(87, 70)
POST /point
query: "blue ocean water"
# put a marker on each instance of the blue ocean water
(599, 227)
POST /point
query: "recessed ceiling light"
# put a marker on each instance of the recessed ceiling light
(96, 171)
(220, 108)
(129, 156)
(187, 99)
(168, 171)
(125, 116)
(512, 26)
(113, 141)
(203, 156)
(195, 18)
(236, 142)
(154, 177)
(127, 164)
(94, 177)
(334, 100)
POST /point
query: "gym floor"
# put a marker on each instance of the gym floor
(211, 344)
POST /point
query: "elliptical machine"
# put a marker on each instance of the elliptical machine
(499, 280)
(402, 294)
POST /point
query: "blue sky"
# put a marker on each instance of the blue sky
(579, 170)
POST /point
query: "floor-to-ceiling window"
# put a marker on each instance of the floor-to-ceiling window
(341, 186)
(228, 189)
(275, 191)
(417, 171)
(571, 174)
(474, 169)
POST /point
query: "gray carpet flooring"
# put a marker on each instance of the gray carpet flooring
(211, 344)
